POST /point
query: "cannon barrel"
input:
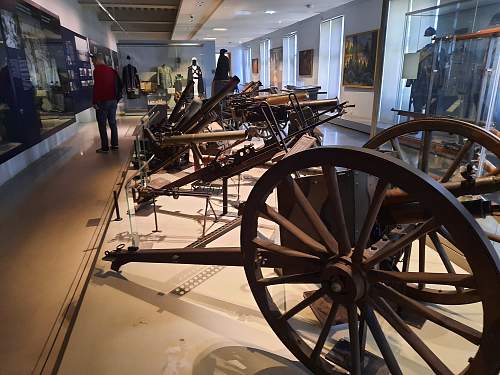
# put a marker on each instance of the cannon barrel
(477, 186)
(176, 112)
(191, 125)
(206, 137)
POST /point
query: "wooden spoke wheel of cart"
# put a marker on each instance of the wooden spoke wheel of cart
(352, 276)
(449, 150)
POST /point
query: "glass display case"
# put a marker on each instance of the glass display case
(451, 63)
(35, 90)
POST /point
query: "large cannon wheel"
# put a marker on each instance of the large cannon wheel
(350, 274)
(464, 139)
(448, 150)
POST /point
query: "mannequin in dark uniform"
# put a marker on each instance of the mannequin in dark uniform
(420, 86)
(221, 72)
(130, 80)
(195, 74)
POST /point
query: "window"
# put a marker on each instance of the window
(290, 59)
(331, 47)
(265, 48)
(247, 65)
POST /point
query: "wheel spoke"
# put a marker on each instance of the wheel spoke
(285, 251)
(332, 184)
(352, 313)
(396, 246)
(461, 329)
(324, 333)
(425, 150)
(406, 258)
(461, 280)
(409, 336)
(456, 162)
(307, 240)
(442, 254)
(301, 278)
(397, 147)
(371, 217)
(383, 345)
(302, 305)
(421, 258)
(313, 217)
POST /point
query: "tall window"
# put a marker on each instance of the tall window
(290, 59)
(331, 47)
(265, 51)
(247, 65)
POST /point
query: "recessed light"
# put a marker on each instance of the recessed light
(209, 38)
(269, 11)
(243, 13)
(219, 29)
(280, 21)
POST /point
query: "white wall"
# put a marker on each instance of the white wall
(82, 20)
(359, 16)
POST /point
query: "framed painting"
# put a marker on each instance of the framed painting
(306, 58)
(360, 59)
(255, 66)
(276, 65)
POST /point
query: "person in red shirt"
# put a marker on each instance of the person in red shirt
(107, 92)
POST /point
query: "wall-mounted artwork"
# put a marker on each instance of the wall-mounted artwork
(276, 65)
(255, 66)
(306, 62)
(360, 58)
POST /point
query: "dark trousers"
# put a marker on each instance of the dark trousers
(106, 111)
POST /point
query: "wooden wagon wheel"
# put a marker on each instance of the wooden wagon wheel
(477, 144)
(349, 274)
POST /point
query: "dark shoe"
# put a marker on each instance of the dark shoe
(114, 148)
(102, 150)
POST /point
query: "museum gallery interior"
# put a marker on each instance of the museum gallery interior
(234, 187)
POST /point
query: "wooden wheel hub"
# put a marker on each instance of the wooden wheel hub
(343, 281)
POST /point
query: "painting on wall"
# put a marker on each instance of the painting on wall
(360, 58)
(276, 64)
(306, 62)
(255, 66)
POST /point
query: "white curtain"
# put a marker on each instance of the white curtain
(265, 52)
(331, 48)
(247, 65)
(290, 59)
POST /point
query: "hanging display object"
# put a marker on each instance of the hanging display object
(306, 62)
(360, 58)
(276, 64)
(255, 66)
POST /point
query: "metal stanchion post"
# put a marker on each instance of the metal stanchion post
(156, 217)
(225, 203)
(117, 207)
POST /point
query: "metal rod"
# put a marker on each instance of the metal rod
(156, 216)
(117, 207)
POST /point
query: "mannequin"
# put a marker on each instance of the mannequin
(131, 80)
(195, 74)
(165, 80)
(421, 85)
(221, 72)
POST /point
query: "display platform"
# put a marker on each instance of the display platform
(182, 319)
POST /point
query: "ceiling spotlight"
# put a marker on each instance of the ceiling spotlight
(269, 11)
(219, 29)
(243, 13)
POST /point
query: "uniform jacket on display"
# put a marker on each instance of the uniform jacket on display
(165, 79)
(131, 81)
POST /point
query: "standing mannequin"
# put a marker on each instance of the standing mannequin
(195, 74)
(421, 85)
(130, 80)
(221, 72)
